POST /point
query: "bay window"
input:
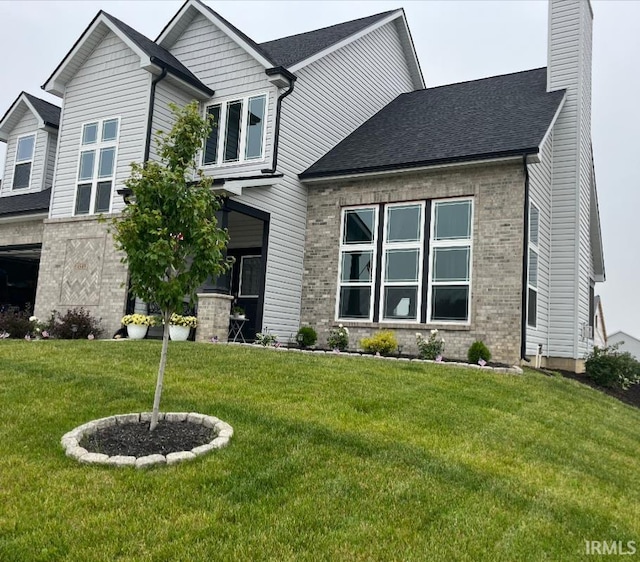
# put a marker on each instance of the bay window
(394, 267)
(238, 131)
(96, 166)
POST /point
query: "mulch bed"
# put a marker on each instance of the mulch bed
(135, 439)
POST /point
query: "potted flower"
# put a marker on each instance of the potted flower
(137, 325)
(180, 326)
(237, 312)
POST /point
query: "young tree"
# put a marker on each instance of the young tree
(169, 234)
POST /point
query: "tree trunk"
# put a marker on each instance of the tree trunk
(163, 363)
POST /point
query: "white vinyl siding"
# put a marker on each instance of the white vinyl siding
(229, 70)
(27, 126)
(110, 82)
(570, 69)
(162, 115)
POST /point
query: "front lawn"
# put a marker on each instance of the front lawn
(333, 458)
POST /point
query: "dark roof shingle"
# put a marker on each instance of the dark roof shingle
(160, 54)
(290, 50)
(25, 204)
(49, 112)
(497, 116)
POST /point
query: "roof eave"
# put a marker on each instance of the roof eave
(6, 125)
(531, 153)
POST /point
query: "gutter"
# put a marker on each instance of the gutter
(525, 262)
(152, 100)
(276, 138)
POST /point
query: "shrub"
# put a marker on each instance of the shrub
(74, 324)
(431, 348)
(478, 351)
(611, 368)
(383, 342)
(306, 337)
(338, 338)
(17, 323)
(266, 338)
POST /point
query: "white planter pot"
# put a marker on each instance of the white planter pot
(136, 332)
(179, 333)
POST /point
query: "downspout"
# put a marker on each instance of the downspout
(276, 137)
(525, 262)
(152, 100)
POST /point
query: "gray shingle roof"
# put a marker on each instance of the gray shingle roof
(49, 112)
(163, 57)
(290, 50)
(26, 204)
(498, 116)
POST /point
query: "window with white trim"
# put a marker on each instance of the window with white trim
(96, 166)
(238, 131)
(450, 261)
(402, 262)
(25, 149)
(358, 238)
(382, 271)
(532, 269)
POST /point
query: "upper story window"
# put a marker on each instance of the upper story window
(382, 270)
(96, 167)
(24, 162)
(238, 131)
(532, 274)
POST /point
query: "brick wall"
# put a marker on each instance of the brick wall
(23, 232)
(496, 289)
(80, 267)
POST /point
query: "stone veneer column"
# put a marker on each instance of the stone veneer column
(213, 316)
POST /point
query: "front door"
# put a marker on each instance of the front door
(246, 280)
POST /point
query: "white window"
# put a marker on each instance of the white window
(238, 131)
(402, 262)
(450, 261)
(24, 162)
(358, 239)
(532, 273)
(96, 166)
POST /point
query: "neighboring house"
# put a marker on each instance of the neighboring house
(352, 194)
(626, 343)
(599, 327)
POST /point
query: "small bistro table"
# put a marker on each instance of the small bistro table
(235, 328)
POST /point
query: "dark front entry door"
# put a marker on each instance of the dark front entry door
(246, 283)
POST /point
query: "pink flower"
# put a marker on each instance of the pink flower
(214, 339)
(336, 350)
(90, 337)
(439, 359)
(45, 335)
(27, 337)
(481, 362)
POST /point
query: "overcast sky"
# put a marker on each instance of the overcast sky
(455, 41)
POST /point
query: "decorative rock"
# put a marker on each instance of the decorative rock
(174, 458)
(146, 416)
(175, 416)
(127, 418)
(195, 418)
(220, 442)
(210, 421)
(69, 442)
(202, 449)
(121, 460)
(225, 433)
(76, 452)
(105, 422)
(94, 458)
(150, 460)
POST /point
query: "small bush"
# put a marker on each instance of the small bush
(17, 324)
(383, 342)
(611, 368)
(338, 338)
(74, 324)
(266, 338)
(306, 337)
(431, 348)
(478, 351)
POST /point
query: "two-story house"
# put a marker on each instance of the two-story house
(353, 194)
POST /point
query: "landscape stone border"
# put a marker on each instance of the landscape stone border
(71, 441)
(515, 370)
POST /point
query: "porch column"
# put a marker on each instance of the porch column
(213, 316)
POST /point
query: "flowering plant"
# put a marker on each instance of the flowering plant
(187, 321)
(266, 338)
(338, 338)
(138, 320)
(431, 348)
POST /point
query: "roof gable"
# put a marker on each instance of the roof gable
(47, 114)
(153, 58)
(493, 117)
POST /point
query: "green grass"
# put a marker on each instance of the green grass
(333, 458)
